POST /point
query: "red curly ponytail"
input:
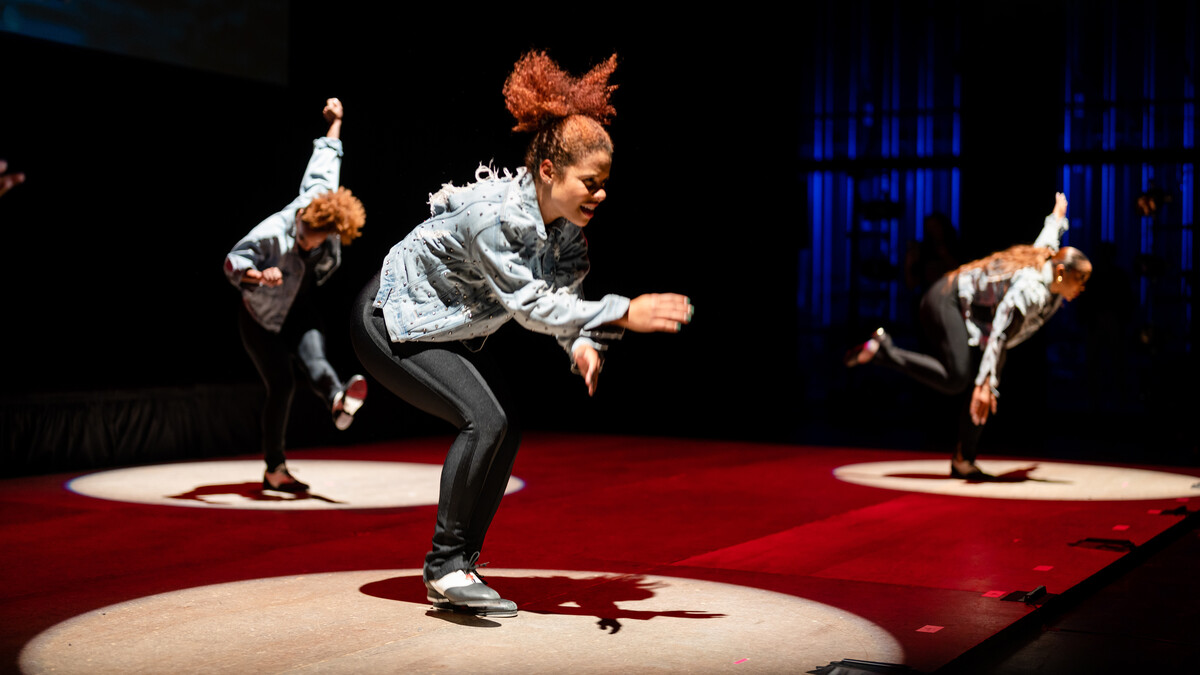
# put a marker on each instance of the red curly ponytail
(566, 114)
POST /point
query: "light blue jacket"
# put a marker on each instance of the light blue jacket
(272, 243)
(485, 257)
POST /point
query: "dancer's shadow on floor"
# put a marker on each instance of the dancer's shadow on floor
(1014, 476)
(591, 596)
(249, 491)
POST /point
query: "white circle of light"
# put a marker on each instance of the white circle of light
(331, 623)
(1025, 479)
(237, 484)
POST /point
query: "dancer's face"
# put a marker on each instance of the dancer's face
(1073, 281)
(307, 238)
(574, 192)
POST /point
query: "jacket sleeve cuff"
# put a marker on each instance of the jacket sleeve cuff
(615, 307)
(334, 144)
(235, 268)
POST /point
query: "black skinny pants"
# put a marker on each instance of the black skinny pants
(955, 363)
(300, 343)
(465, 388)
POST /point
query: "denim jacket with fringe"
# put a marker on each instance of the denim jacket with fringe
(272, 243)
(484, 257)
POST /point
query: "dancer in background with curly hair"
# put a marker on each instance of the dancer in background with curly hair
(992, 304)
(276, 266)
(505, 247)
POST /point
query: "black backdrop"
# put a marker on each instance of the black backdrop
(142, 175)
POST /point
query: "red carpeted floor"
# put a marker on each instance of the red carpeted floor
(931, 570)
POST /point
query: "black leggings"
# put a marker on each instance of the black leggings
(465, 388)
(955, 363)
(300, 342)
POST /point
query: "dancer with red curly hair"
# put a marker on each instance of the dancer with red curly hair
(508, 246)
(974, 315)
(277, 266)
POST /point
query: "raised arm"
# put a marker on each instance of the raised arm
(1055, 224)
(325, 165)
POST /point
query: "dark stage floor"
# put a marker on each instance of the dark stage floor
(625, 554)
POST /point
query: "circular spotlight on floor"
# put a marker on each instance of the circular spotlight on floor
(379, 622)
(1025, 479)
(334, 484)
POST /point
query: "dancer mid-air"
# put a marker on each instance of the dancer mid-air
(974, 315)
(508, 246)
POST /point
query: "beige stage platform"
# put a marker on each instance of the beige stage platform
(339, 623)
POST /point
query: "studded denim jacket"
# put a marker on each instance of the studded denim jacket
(272, 243)
(484, 257)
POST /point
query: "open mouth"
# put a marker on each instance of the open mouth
(589, 210)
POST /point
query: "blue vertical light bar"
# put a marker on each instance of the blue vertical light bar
(1148, 79)
(955, 177)
(918, 198)
(852, 104)
(910, 189)
(957, 143)
(1187, 262)
(925, 112)
(1187, 186)
(1088, 176)
(1106, 202)
(1189, 81)
(1147, 222)
(827, 219)
(816, 290)
(847, 227)
(817, 192)
(955, 182)
(893, 89)
(893, 244)
(1071, 45)
(922, 87)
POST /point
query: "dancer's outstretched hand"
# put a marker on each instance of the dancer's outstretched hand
(983, 402)
(657, 312)
(1060, 205)
(588, 361)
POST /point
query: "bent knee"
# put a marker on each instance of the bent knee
(492, 426)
